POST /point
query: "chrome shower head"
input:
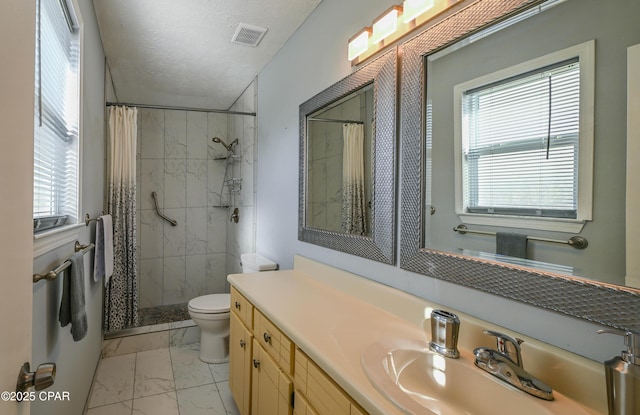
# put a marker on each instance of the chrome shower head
(229, 146)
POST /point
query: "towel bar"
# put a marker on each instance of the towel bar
(51, 275)
(88, 219)
(577, 242)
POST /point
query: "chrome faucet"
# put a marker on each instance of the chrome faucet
(505, 363)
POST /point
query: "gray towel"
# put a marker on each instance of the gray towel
(72, 304)
(511, 244)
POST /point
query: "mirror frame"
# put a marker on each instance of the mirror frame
(380, 245)
(602, 303)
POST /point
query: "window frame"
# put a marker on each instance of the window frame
(47, 240)
(585, 52)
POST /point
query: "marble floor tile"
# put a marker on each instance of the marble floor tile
(113, 381)
(227, 398)
(220, 371)
(136, 343)
(154, 373)
(162, 404)
(165, 381)
(119, 408)
(200, 400)
(188, 369)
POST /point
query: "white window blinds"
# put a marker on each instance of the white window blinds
(56, 156)
(520, 144)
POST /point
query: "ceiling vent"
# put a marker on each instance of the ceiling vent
(248, 35)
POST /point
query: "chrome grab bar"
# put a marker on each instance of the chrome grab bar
(173, 222)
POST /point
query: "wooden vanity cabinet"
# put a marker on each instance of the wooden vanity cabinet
(265, 368)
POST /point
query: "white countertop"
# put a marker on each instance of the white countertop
(334, 327)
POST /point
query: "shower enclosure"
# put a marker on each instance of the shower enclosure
(199, 182)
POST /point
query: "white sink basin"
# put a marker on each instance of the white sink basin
(419, 381)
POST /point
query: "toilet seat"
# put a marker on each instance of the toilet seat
(211, 304)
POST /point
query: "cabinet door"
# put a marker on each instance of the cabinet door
(240, 354)
(271, 388)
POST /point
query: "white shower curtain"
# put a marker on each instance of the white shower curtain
(354, 219)
(121, 295)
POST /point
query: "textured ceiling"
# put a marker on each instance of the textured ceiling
(180, 54)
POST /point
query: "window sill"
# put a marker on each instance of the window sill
(522, 222)
(48, 241)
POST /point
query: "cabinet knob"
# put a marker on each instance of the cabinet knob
(237, 305)
(256, 363)
(243, 343)
(267, 337)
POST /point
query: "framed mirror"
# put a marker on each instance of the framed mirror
(347, 163)
(486, 45)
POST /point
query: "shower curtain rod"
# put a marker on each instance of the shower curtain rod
(330, 120)
(158, 107)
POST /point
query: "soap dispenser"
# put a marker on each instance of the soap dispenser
(622, 374)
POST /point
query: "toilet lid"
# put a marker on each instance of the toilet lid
(211, 303)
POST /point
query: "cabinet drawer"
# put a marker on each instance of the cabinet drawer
(242, 307)
(274, 342)
(320, 391)
(302, 407)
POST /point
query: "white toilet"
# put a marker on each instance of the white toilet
(211, 314)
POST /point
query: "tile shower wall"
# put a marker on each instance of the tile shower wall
(178, 160)
(241, 236)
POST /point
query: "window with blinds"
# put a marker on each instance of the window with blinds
(56, 138)
(520, 143)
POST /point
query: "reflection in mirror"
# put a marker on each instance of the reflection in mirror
(339, 165)
(519, 130)
(347, 163)
(469, 53)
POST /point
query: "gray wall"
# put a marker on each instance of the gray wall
(76, 361)
(314, 58)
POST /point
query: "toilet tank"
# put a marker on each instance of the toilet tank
(256, 263)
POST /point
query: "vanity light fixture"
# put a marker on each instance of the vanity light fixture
(414, 8)
(386, 24)
(394, 24)
(359, 43)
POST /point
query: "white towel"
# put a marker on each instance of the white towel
(103, 261)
